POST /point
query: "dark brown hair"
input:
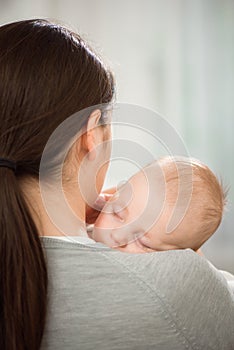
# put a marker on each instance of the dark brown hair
(47, 73)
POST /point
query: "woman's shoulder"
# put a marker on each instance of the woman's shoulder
(172, 265)
(58, 247)
(178, 291)
(178, 270)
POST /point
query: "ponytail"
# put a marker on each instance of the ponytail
(23, 273)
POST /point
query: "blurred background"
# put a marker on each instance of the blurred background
(172, 56)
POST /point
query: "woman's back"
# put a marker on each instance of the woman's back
(104, 299)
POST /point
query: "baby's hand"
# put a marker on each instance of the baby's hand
(92, 213)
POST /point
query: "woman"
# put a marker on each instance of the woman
(58, 294)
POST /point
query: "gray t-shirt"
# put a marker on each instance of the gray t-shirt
(103, 299)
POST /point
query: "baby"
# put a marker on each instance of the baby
(173, 203)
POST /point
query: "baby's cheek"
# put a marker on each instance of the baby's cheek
(102, 229)
(104, 221)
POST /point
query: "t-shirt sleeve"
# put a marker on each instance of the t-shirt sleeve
(103, 299)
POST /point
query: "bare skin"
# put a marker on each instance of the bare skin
(85, 146)
(109, 227)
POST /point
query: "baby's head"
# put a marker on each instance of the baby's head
(173, 203)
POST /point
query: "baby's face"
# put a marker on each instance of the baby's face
(135, 219)
(115, 224)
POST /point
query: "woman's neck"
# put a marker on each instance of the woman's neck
(54, 214)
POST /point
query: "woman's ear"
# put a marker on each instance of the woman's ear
(93, 120)
(90, 137)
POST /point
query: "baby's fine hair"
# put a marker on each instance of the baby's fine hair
(207, 195)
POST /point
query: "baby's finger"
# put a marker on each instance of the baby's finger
(101, 201)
